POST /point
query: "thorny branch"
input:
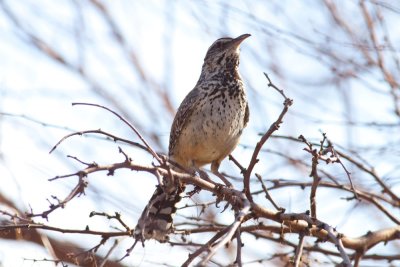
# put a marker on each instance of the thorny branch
(313, 174)
(246, 209)
(297, 223)
(317, 155)
(78, 190)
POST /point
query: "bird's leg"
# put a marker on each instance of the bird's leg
(214, 170)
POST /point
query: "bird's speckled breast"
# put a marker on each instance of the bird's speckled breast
(215, 125)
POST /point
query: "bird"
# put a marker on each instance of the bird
(206, 129)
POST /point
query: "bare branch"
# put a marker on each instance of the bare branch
(274, 127)
(153, 153)
(299, 250)
(101, 132)
(267, 195)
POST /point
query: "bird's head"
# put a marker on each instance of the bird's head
(224, 53)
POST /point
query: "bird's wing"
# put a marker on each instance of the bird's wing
(182, 116)
(246, 115)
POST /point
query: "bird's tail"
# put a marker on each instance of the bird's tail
(156, 219)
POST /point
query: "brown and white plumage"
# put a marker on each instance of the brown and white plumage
(206, 129)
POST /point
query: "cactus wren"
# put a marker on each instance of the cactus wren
(206, 129)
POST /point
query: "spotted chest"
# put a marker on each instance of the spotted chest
(214, 126)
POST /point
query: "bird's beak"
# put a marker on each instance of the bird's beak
(238, 40)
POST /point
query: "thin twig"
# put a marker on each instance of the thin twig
(205, 247)
(78, 190)
(332, 234)
(241, 168)
(239, 246)
(371, 171)
(87, 231)
(336, 238)
(336, 159)
(101, 132)
(267, 195)
(274, 127)
(116, 216)
(103, 263)
(313, 174)
(133, 128)
(299, 250)
(232, 230)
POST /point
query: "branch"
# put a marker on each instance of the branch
(274, 127)
(363, 195)
(267, 195)
(313, 174)
(115, 139)
(78, 190)
(232, 230)
(239, 246)
(154, 154)
(64, 251)
(204, 247)
(299, 250)
(87, 231)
